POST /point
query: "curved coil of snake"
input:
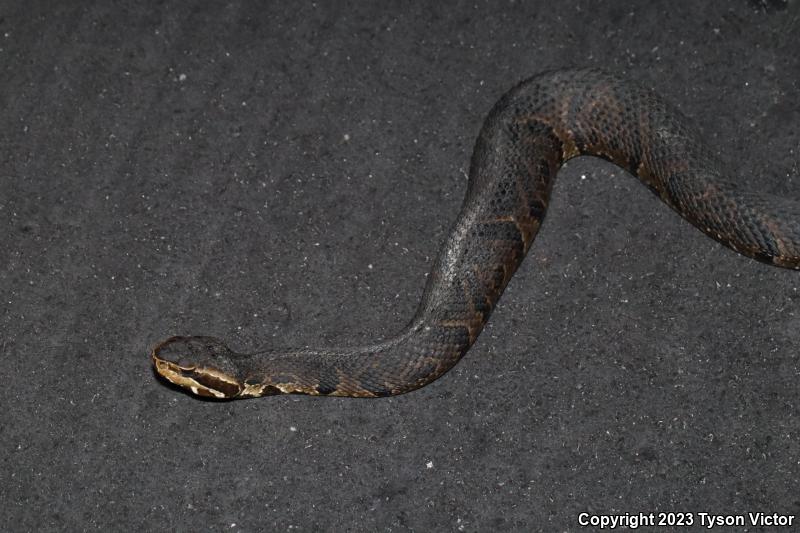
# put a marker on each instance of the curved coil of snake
(528, 135)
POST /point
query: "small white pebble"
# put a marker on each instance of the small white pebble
(181, 77)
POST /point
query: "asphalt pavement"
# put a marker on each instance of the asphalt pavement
(283, 173)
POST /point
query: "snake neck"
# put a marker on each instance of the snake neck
(416, 356)
(511, 175)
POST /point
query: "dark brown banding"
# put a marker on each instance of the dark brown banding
(228, 387)
(324, 389)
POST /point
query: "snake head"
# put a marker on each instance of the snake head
(203, 365)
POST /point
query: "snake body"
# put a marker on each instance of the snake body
(528, 135)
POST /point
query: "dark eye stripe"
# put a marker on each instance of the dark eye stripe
(228, 388)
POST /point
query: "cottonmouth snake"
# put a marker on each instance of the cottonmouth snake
(528, 135)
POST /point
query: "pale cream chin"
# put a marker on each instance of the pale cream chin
(166, 370)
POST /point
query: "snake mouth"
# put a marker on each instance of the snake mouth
(202, 381)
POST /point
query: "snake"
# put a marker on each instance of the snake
(528, 135)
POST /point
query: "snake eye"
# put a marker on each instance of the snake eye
(185, 363)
